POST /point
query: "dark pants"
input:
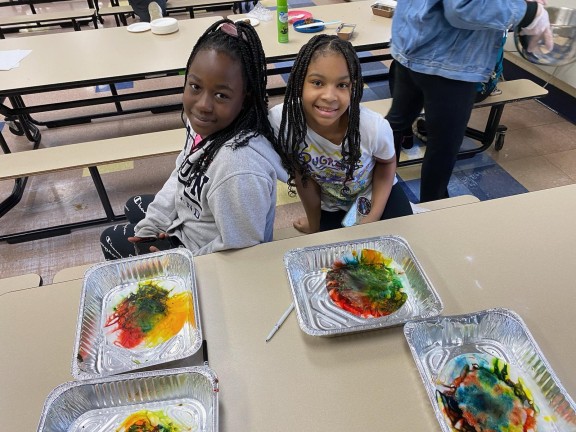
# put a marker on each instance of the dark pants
(397, 206)
(114, 240)
(447, 104)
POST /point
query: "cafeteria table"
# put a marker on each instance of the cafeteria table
(109, 56)
(372, 32)
(518, 255)
(113, 55)
(32, 3)
(73, 60)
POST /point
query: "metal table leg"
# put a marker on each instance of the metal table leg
(26, 122)
(485, 137)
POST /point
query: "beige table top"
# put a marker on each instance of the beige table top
(47, 16)
(516, 252)
(76, 57)
(370, 29)
(14, 283)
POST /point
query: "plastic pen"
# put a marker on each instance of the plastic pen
(280, 322)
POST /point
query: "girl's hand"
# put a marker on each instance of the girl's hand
(161, 236)
(140, 240)
(368, 219)
(302, 225)
(136, 239)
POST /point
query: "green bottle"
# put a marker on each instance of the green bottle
(282, 20)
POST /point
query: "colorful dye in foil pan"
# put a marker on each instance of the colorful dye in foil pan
(480, 395)
(366, 284)
(150, 316)
(150, 421)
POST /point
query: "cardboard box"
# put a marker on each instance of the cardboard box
(382, 10)
(345, 31)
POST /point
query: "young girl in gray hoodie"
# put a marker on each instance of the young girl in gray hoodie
(222, 192)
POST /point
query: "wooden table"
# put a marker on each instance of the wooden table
(519, 254)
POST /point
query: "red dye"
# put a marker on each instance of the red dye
(130, 334)
(137, 315)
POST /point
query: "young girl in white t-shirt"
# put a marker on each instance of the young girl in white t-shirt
(339, 155)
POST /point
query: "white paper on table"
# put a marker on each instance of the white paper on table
(389, 3)
(11, 59)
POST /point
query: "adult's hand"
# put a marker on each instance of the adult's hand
(538, 30)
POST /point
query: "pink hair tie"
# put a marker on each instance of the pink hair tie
(230, 29)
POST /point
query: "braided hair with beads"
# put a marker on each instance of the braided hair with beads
(241, 42)
(292, 132)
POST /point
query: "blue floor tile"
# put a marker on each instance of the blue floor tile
(373, 67)
(484, 182)
(369, 95)
(119, 86)
(455, 188)
(409, 191)
(479, 160)
(382, 91)
(489, 182)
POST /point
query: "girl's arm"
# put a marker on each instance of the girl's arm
(382, 182)
(162, 211)
(310, 197)
(239, 204)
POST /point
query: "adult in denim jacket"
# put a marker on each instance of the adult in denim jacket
(441, 49)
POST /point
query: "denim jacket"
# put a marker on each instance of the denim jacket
(456, 39)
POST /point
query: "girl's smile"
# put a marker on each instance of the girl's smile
(327, 112)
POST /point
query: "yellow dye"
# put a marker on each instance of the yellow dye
(180, 311)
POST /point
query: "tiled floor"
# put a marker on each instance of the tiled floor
(539, 153)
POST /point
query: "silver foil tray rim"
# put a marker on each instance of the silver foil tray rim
(428, 301)
(127, 389)
(498, 332)
(119, 271)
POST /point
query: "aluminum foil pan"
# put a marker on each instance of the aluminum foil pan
(498, 333)
(188, 397)
(97, 351)
(319, 316)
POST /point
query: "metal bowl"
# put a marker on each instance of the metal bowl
(563, 25)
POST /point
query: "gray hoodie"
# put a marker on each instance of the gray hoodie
(231, 206)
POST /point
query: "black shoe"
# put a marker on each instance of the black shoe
(407, 142)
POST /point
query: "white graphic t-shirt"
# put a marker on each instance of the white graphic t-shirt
(324, 159)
